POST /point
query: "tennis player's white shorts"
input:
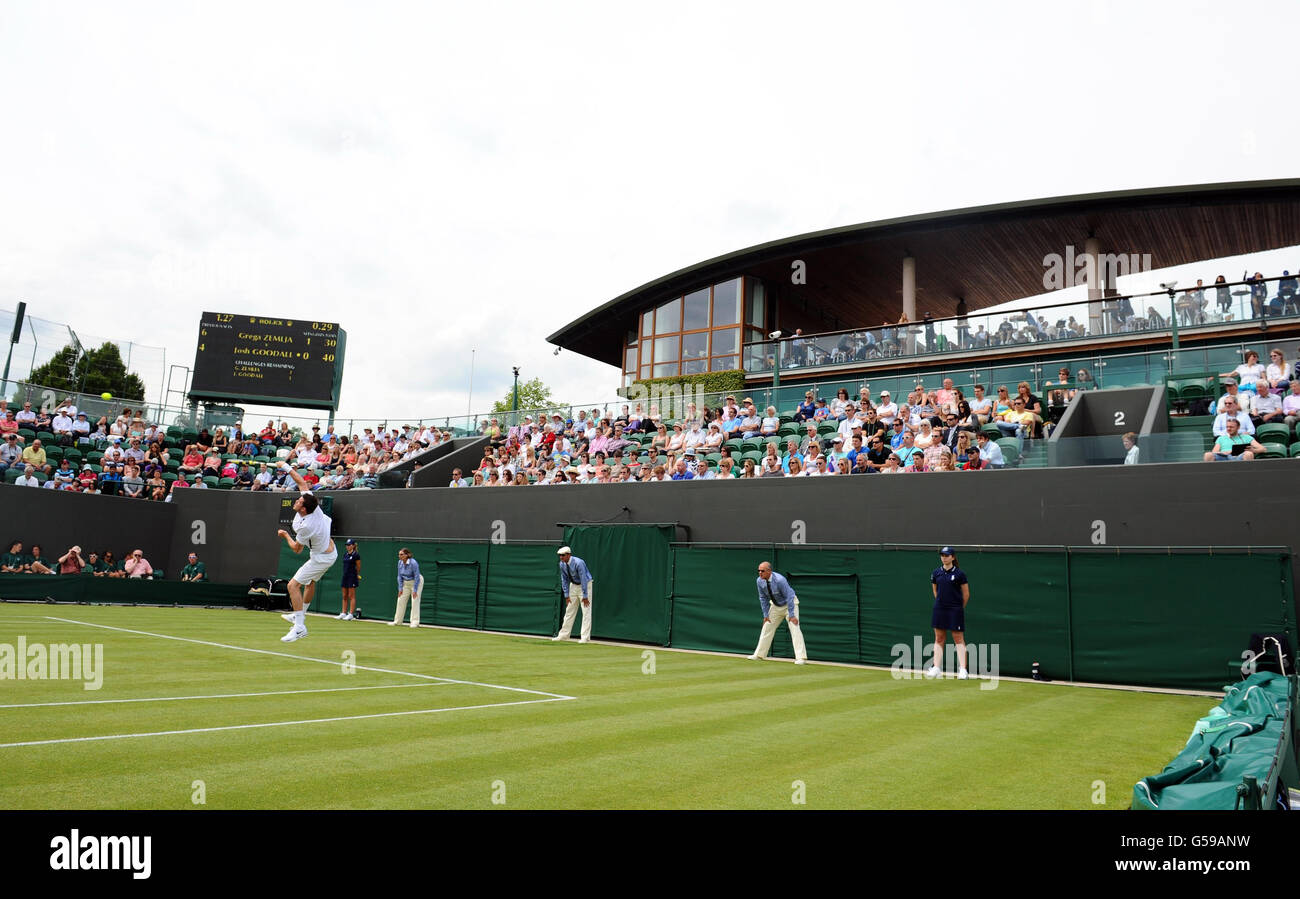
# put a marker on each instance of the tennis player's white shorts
(314, 568)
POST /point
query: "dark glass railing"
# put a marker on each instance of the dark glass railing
(1188, 308)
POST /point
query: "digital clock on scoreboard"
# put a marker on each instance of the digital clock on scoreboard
(274, 361)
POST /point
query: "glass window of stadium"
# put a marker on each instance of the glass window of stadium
(697, 332)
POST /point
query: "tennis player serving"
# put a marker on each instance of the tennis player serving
(311, 529)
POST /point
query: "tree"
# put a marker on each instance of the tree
(532, 395)
(94, 372)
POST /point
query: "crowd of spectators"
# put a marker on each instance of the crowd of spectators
(932, 430)
(130, 457)
(97, 563)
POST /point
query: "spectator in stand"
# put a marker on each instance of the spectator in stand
(11, 455)
(807, 408)
(1278, 372)
(1265, 405)
(1230, 390)
(112, 475)
(887, 411)
(156, 487)
(65, 474)
(34, 455)
(71, 561)
(963, 451)
(841, 401)
(1001, 403)
(137, 566)
(1234, 446)
(1248, 372)
(981, 405)
(918, 465)
(8, 424)
(192, 463)
(989, 452)
(195, 572)
(1230, 409)
(203, 441)
(15, 561)
(1017, 422)
(62, 428)
(809, 439)
(1131, 451)
(946, 396)
(38, 563)
(1291, 405)
(112, 566)
(771, 423)
(25, 417)
(243, 478)
(28, 478)
(81, 429)
(132, 483)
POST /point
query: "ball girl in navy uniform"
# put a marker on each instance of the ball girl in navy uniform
(951, 593)
(351, 578)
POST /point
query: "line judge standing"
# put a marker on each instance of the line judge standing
(575, 585)
(777, 600)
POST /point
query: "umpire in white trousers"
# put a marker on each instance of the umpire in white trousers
(777, 600)
(575, 586)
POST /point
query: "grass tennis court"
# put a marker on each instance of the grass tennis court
(434, 718)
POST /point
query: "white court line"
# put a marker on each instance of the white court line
(37, 705)
(204, 730)
(340, 664)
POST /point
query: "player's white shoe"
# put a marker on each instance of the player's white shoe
(296, 632)
(963, 674)
(933, 671)
(287, 616)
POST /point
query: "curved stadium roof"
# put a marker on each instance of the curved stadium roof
(989, 255)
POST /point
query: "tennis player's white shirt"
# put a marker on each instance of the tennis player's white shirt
(313, 532)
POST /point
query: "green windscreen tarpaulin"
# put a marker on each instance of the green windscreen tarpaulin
(715, 604)
(522, 594)
(631, 567)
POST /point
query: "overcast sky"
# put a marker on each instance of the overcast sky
(445, 177)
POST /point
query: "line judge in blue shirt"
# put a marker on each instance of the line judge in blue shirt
(575, 585)
(777, 601)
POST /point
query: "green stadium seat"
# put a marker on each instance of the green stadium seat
(13, 474)
(225, 483)
(715, 458)
(41, 476)
(1010, 451)
(173, 463)
(992, 430)
(827, 427)
(1273, 433)
(1295, 449)
(27, 434)
(94, 457)
(212, 480)
(45, 436)
(53, 453)
(734, 444)
(752, 445)
(1273, 450)
(175, 432)
(72, 454)
(169, 476)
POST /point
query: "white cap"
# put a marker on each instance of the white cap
(564, 550)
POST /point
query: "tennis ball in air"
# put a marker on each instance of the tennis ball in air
(106, 395)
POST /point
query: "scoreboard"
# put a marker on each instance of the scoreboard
(272, 361)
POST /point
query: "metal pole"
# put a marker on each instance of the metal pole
(1173, 318)
(470, 402)
(776, 366)
(514, 405)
